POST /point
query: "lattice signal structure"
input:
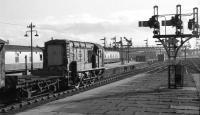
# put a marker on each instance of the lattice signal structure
(173, 42)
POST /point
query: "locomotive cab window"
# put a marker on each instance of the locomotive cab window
(29, 57)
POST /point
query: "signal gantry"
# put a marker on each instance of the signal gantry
(173, 42)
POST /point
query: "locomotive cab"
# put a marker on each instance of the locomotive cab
(55, 60)
(55, 55)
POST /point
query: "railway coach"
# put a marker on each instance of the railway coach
(111, 56)
(2, 64)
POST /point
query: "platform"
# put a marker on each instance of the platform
(113, 65)
(143, 94)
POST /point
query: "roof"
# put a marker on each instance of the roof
(99, 46)
(2, 41)
(75, 43)
(22, 48)
(52, 41)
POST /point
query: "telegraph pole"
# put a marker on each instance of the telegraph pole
(31, 26)
(121, 50)
(104, 41)
(129, 43)
(114, 42)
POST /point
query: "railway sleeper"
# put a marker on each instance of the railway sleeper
(38, 88)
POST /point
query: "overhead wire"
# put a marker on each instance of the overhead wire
(8, 23)
(16, 24)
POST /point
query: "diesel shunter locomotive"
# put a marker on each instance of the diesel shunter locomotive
(73, 59)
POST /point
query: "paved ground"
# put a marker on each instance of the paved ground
(112, 65)
(144, 94)
(196, 78)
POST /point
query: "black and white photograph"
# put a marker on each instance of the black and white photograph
(99, 57)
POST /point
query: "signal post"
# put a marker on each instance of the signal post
(173, 42)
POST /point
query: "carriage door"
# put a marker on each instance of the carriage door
(94, 65)
(95, 53)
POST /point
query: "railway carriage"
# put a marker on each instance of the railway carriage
(111, 56)
(2, 63)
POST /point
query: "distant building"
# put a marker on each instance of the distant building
(15, 57)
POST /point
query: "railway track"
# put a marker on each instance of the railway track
(27, 104)
(159, 70)
(192, 65)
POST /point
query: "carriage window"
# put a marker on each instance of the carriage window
(29, 57)
(41, 57)
(16, 57)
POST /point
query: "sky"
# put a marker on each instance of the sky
(84, 20)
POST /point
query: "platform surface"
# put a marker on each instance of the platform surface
(112, 65)
(143, 94)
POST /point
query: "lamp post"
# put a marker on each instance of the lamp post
(31, 26)
(122, 50)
